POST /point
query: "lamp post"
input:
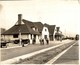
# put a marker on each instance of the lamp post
(19, 37)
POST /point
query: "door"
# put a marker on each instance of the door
(45, 36)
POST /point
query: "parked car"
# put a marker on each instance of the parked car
(3, 43)
(25, 41)
(16, 41)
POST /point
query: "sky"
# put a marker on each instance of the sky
(62, 13)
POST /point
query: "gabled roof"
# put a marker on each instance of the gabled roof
(27, 22)
(51, 28)
(15, 30)
(24, 29)
(30, 25)
(39, 26)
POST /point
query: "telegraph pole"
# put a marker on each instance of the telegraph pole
(65, 32)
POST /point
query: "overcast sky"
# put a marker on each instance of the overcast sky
(63, 13)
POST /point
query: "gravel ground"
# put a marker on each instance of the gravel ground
(44, 57)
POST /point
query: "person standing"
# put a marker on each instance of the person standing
(47, 41)
(33, 41)
(22, 44)
(42, 41)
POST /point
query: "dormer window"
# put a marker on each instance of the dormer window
(35, 29)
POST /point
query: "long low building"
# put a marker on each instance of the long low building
(28, 30)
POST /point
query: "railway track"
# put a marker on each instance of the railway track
(47, 56)
(52, 61)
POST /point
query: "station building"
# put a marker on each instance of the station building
(28, 30)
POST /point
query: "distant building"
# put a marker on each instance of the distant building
(2, 30)
(51, 30)
(29, 30)
(58, 34)
(77, 37)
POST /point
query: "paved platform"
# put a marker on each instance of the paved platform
(12, 45)
(18, 51)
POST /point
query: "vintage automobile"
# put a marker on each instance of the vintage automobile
(25, 41)
(3, 43)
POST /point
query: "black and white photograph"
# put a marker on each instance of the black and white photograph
(38, 32)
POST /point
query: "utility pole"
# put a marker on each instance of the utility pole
(65, 32)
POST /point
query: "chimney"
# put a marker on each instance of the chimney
(19, 18)
(58, 29)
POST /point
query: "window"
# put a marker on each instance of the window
(33, 28)
(15, 36)
(45, 29)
